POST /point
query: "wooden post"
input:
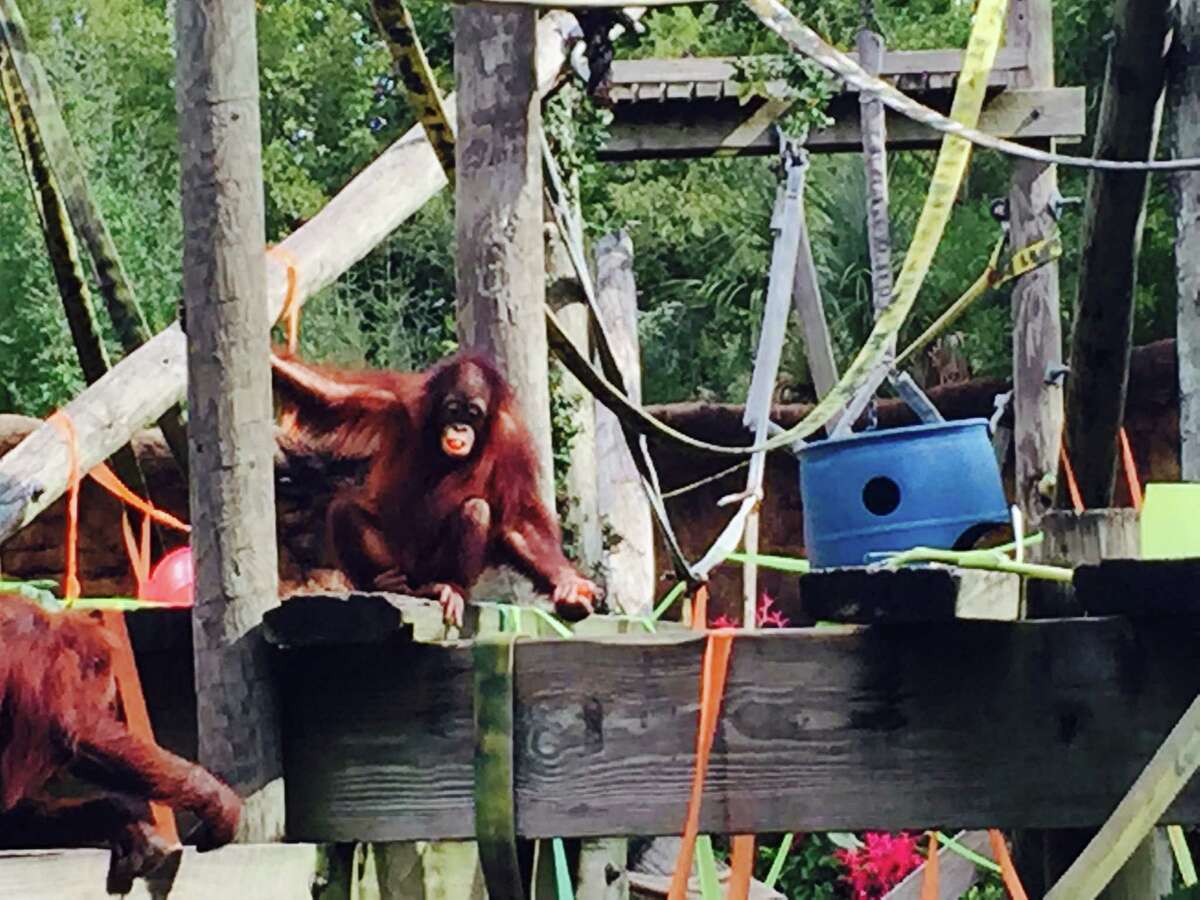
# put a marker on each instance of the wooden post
(629, 566)
(1185, 94)
(581, 515)
(231, 432)
(1037, 332)
(498, 206)
(1130, 114)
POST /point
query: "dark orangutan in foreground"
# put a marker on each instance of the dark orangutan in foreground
(59, 720)
(452, 486)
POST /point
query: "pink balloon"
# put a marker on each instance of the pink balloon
(170, 581)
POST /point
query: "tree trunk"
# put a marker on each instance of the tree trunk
(153, 378)
(1130, 113)
(498, 208)
(231, 428)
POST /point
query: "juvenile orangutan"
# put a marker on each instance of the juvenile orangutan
(452, 486)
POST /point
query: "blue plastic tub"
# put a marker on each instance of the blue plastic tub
(932, 485)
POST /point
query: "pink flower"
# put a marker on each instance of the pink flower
(722, 621)
(880, 864)
(768, 617)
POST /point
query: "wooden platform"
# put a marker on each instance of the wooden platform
(675, 108)
(955, 724)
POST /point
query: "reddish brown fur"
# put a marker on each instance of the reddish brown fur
(59, 718)
(425, 523)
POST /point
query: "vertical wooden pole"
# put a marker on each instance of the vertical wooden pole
(629, 566)
(565, 295)
(1185, 94)
(230, 431)
(1102, 333)
(1037, 331)
(498, 206)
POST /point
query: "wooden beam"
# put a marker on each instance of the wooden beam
(231, 431)
(695, 128)
(928, 594)
(1037, 330)
(498, 208)
(261, 871)
(1184, 93)
(814, 721)
(629, 564)
(1102, 333)
(144, 385)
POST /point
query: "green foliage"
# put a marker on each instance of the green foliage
(810, 871)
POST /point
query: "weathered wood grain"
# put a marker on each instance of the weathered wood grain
(678, 129)
(1037, 329)
(231, 434)
(826, 729)
(500, 251)
(1184, 94)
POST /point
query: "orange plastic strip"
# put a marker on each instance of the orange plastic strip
(66, 427)
(107, 479)
(700, 609)
(137, 717)
(1008, 872)
(929, 884)
(741, 867)
(1072, 484)
(1130, 467)
(712, 689)
(291, 309)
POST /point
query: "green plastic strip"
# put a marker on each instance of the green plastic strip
(967, 853)
(668, 601)
(1183, 855)
(785, 847)
(562, 873)
(495, 801)
(706, 866)
(779, 563)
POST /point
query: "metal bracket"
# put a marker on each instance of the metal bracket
(999, 405)
(1058, 204)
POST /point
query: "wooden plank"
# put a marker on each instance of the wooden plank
(695, 128)
(1125, 832)
(261, 871)
(956, 873)
(231, 435)
(723, 68)
(814, 721)
(1151, 588)
(866, 596)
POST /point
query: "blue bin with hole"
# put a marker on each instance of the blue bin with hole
(935, 485)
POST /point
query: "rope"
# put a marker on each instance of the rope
(129, 685)
(931, 877)
(1008, 872)
(291, 307)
